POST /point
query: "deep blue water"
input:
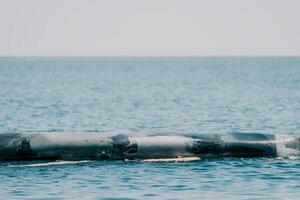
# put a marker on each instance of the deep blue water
(151, 95)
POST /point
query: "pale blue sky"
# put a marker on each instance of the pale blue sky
(149, 27)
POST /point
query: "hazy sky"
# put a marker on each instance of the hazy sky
(149, 27)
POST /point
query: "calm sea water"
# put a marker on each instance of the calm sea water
(151, 95)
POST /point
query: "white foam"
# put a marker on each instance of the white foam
(282, 150)
(179, 159)
(54, 163)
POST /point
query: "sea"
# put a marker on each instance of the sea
(161, 95)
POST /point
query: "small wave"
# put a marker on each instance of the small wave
(179, 159)
(53, 163)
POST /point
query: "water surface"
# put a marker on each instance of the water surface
(151, 95)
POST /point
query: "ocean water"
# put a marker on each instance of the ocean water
(151, 95)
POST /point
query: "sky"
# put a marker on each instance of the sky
(150, 28)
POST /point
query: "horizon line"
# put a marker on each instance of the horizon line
(150, 56)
